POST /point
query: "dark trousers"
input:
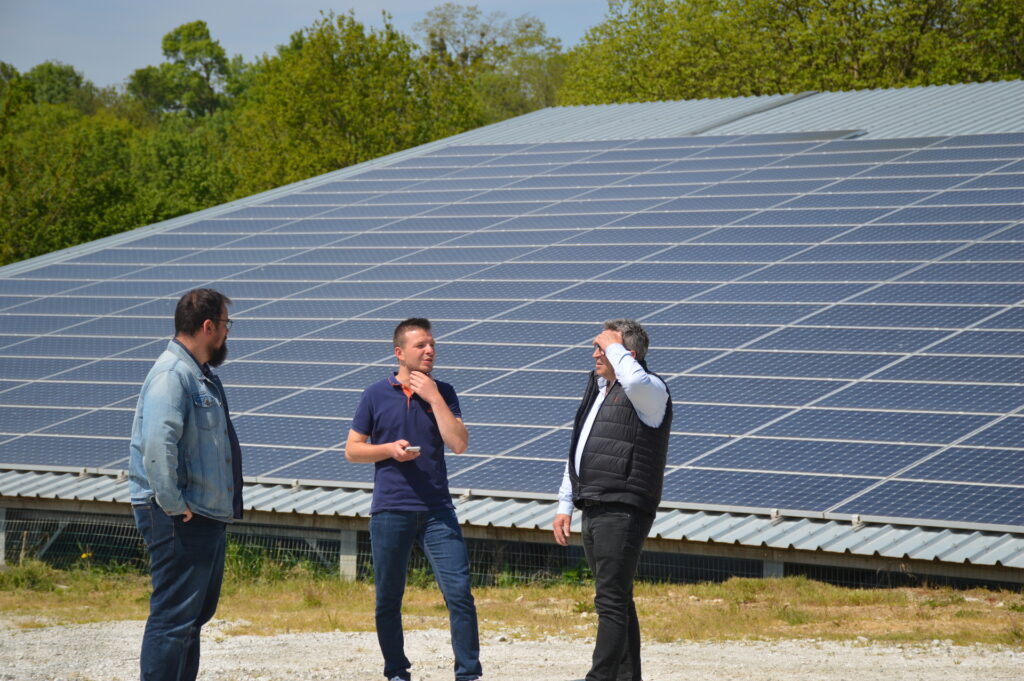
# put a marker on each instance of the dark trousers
(613, 536)
(187, 567)
(392, 534)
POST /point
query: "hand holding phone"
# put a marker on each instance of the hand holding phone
(401, 451)
(406, 453)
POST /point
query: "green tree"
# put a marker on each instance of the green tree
(154, 87)
(672, 49)
(56, 83)
(613, 62)
(192, 79)
(7, 73)
(65, 178)
(339, 94)
(181, 167)
(15, 92)
(515, 66)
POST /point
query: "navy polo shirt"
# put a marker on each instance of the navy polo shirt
(387, 413)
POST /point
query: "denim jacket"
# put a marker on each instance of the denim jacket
(180, 449)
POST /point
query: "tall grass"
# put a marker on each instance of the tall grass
(265, 595)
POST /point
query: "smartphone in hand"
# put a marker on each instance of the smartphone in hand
(412, 450)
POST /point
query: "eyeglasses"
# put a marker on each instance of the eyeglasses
(228, 321)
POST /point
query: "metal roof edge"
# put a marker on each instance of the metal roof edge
(766, 106)
(856, 519)
(775, 515)
(272, 481)
(973, 546)
(76, 470)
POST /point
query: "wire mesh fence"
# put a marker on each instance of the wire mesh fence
(66, 540)
(890, 579)
(72, 540)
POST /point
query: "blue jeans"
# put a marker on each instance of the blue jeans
(187, 567)
(392, 534)
(613, 536)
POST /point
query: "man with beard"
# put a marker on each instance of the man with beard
(185, 481)
(402, 425)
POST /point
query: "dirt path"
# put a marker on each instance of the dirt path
(109, 652)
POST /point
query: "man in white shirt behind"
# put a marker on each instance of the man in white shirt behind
(614, 475)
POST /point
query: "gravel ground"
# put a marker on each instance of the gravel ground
(109, 652)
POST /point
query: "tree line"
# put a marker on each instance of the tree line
(201, 128)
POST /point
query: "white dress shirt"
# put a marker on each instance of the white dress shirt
(646, 392)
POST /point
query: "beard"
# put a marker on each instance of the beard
(218, 355)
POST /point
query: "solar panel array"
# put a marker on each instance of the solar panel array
(840, 321)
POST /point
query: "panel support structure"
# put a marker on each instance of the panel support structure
(348, 554)
(3, 536)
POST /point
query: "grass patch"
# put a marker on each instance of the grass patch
(285, 597)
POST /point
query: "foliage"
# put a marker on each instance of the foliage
(15, 92)
(580, 574)
(55, 83)
(340, 94)
(65, 177)
(673, 49)
(181, 165)
(190, 80)
(515, 66)
(249, 564)
(32, 575)
(265, 598)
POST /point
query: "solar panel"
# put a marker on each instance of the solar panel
(327, 466)
(983, 343)
(877, 425)
(515, 475)
(955, 397)
(995, 466)
(824, 457)
(749, 489)
(73, 452)
(863, 340)
(728, 313)
(1001, 433)
(68, 394)
(898, 316)
(550, 446)
(282, 431)
(1005, 318)
(839, 320)
(21, 420)
(971, 504)
(754, 391)
(494, 440)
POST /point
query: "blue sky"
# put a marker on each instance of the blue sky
(108, 39)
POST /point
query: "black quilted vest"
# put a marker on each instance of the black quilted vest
(624, 459)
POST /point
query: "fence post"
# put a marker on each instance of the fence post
(3, 536)
(348, 554)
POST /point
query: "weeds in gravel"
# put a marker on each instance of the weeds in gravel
(264, 597)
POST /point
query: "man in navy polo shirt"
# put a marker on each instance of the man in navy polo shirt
(411, 502)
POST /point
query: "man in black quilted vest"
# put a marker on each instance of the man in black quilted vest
(614, 476)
